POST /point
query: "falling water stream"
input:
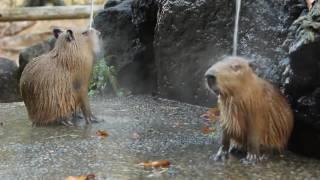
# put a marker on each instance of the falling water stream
(236, 27)
(91, 15)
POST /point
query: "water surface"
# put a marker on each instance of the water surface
(141, 129)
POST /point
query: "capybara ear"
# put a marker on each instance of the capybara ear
(252, 65)
(56, 32)
(236, 67)
(70, 36)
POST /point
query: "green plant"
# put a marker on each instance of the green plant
(104, 79)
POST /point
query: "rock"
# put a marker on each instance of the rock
(9, 88)
(192, 35)
(122, 47)
(111, 3)
(145, 20)
(168, 45)
(34, 51)
(302, 84)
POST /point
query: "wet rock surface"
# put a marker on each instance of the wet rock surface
(122, 47)
(192, 35)
(9, 88)
(170, 44)
(140, 128)
(34, 51)
(302, 83)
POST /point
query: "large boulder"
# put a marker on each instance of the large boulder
(34, 51)
(192, 35)
(302, 83)
(9, 88)
(169, 44)
(122, 46)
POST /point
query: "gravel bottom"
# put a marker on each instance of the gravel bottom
(140, 128)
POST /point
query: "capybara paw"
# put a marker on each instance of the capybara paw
(94, 119)
(236, 149)
(67, 123)
(88, 121)
(78, 116)
(253, 158)
(221, 155)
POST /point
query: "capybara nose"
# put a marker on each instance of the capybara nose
(211, 80)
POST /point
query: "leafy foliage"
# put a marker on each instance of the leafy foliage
(104, 80)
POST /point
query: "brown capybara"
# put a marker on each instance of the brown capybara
(254, 114)
(54, 86)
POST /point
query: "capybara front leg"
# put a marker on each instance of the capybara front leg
(253, 150)
(85, 108)
(223, 151)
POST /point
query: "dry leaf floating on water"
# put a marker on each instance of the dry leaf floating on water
(207, 130)
(102, 134)
(157, 164)
(86, 177)
(213, 114)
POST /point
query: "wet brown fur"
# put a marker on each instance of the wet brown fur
(254, 114)
(55, 85)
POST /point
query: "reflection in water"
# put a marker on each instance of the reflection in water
(140, 129)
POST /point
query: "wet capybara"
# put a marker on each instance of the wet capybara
(54, 86)
(255, 116)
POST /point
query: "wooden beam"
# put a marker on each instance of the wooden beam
(47, 13)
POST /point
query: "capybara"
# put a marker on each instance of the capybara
(254, 114)
(54, 86)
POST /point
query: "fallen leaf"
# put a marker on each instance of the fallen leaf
(207, 130)
(102, 134)
(87, 177)
(212, 114)
(160, 163)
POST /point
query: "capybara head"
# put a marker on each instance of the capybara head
(69, 40)
(228, 75)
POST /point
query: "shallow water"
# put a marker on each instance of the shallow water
(141, 129)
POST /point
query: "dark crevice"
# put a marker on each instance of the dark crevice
(303, 90)
(145, 18)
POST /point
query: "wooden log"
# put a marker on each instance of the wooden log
(47, 13)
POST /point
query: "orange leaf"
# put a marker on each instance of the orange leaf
(87, 177)
(212, 114)
(207, 130)
(160, 163)
(102, 134)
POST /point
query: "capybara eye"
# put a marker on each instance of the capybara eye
(85, 33)
(211, 80)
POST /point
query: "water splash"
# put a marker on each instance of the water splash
(236, 27)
